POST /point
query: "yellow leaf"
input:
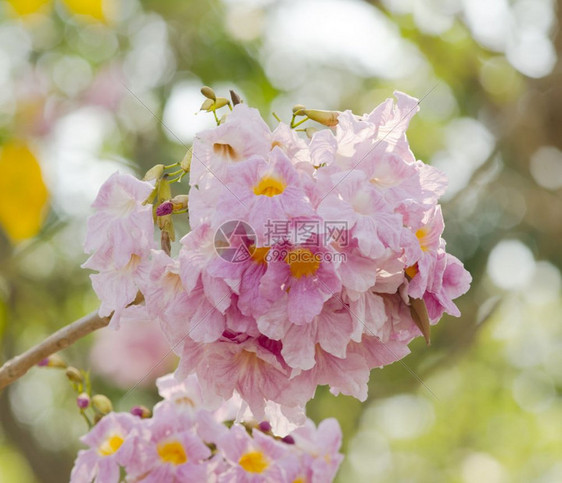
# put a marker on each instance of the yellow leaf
(26, 7)
(23, 194)
(90, 8)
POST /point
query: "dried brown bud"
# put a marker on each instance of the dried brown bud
(235, 98)
(419, 314)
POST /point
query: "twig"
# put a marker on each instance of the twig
(68, 335)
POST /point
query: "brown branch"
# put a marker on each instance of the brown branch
(68, 335)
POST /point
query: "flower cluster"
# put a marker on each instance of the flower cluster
(185, 442)
(309, 262)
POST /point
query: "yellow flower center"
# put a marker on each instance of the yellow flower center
(259, 254)
(225, 150)
(254, 462)
(172, 452)
(184, 400)
(110, 445)
(421, 235)
(412, 271)
(269, 186)
(302, 262)
(300, 479)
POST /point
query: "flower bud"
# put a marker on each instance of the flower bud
(74, 375)
(419, 314)
(264, 427)
(141, 411)
(102, 404)
(208, 93)
(298, 110)
(310, 132)
(165, 243)
(165, 208)
(83, 400)
(221, 102)
(166, 225)
(164, 189)
(207, 105)
(180, 202)
(54, 360)
(288, 439)
(186, 161)
(152, 195)
(155, 172)
(327, 118)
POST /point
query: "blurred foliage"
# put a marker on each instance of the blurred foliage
(91, 86)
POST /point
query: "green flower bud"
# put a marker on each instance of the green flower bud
(155, 172)
(327, 118)
(208, 93)
(298, 110)
(179, 203)
(310, 131)
(221, 102)
(74, 375)
(102, 404)
(207, 105)
(186, 161)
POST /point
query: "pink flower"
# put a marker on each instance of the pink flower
(391, 122)
(244, 134)
(303, 258)
(254, 459)
(253, 368)
(107, 452)
(318, 449)
(260, 192)
(370, 218)
(119, 237)
(173, 452)
(454, 282)
(121, 226)
(331, 329)
(431, 247)
(117, 288)
(296, 284)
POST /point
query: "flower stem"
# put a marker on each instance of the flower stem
(62, 338)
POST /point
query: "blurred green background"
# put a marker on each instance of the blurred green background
(84, 86)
